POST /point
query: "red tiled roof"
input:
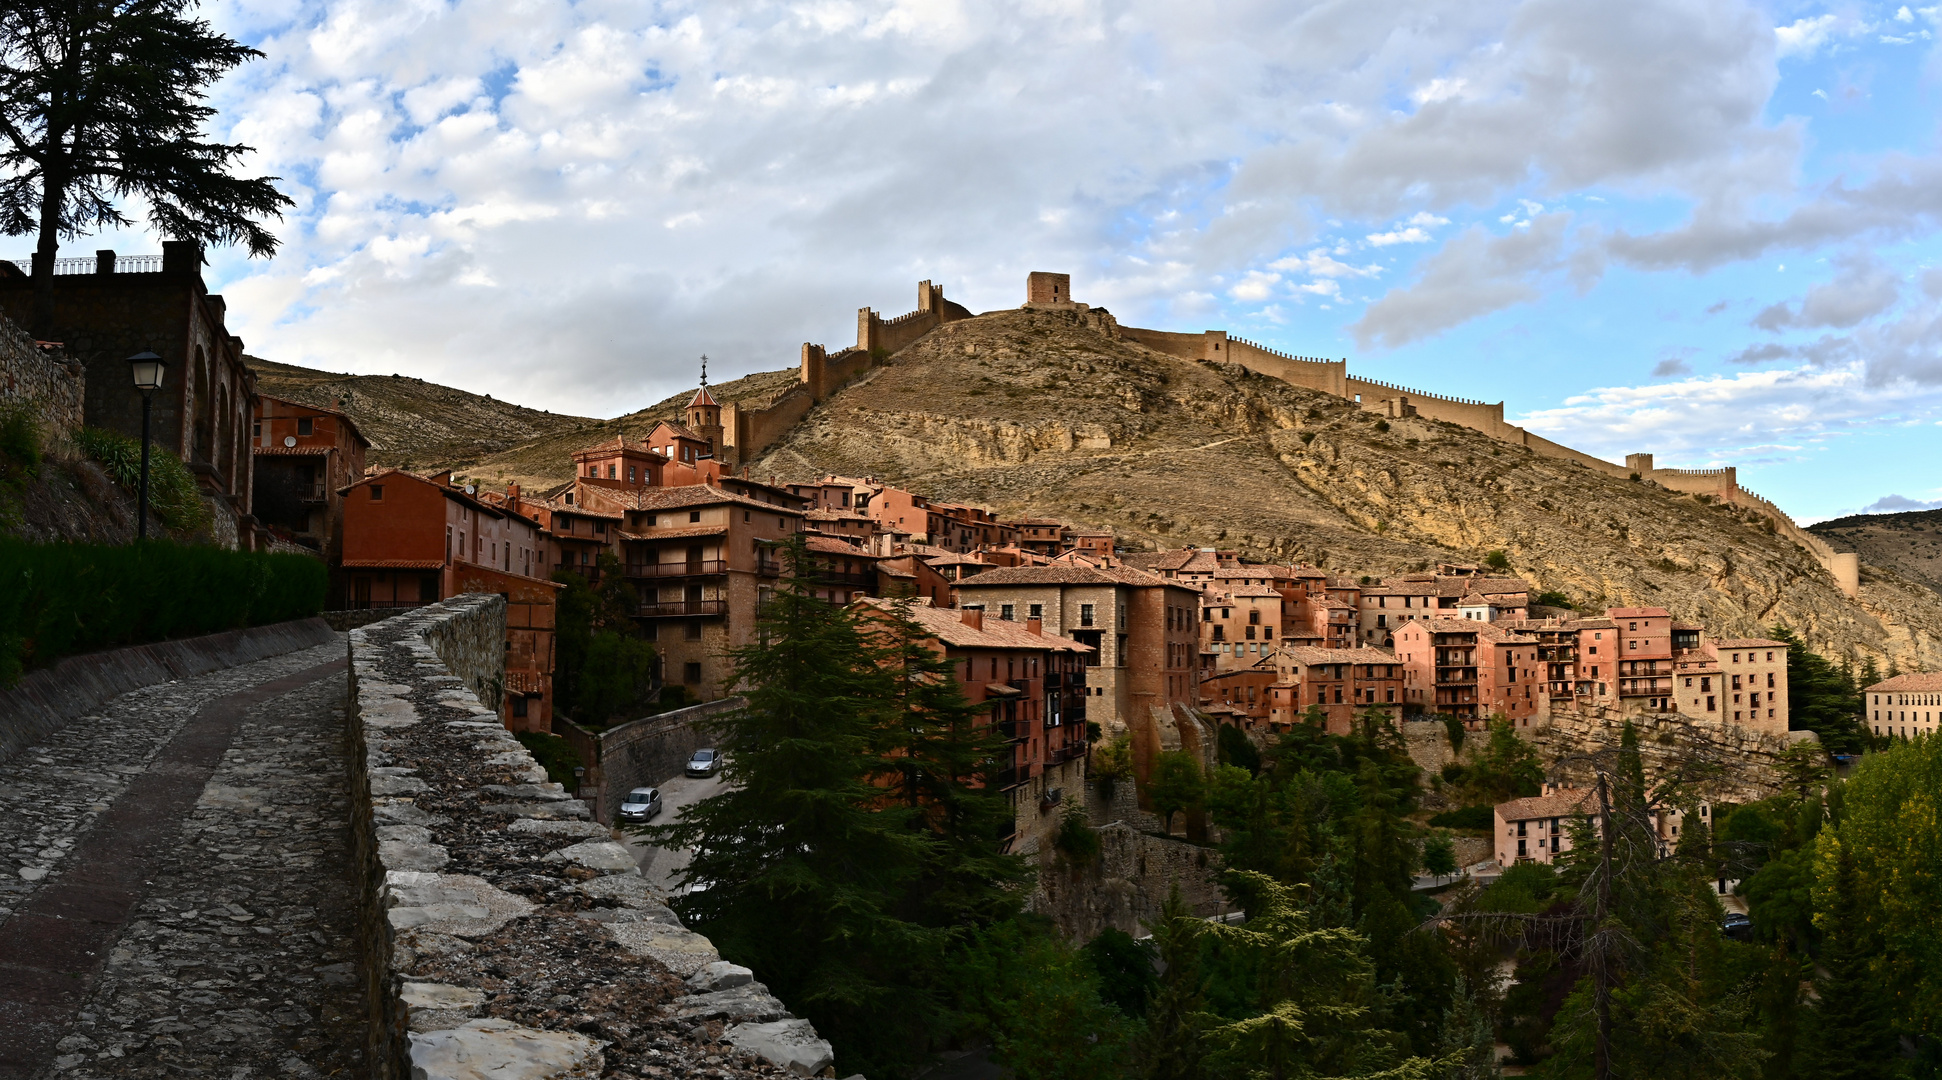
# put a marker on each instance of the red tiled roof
(1070, 573)
(673, 532)
(1748, 643)
(1914, 682)
(703, 398)
(1566, 803)
(1309, 654)
(692, 495)
(293, 451)
(395, 564)
(948, 626)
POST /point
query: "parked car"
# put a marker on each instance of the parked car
(704, 763)
(641, 804)
(1737, 926)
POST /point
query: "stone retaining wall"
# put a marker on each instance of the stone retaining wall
(46, 381)
(1127, 884)
(503, 933)
(47, 700)
(640, 753)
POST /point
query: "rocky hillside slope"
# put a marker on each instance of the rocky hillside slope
(414, 424)
(1908, 544)
(1051, 413)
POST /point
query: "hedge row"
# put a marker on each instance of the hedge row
(58, 599)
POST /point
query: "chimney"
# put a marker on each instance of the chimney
(1035, 627)
(973, 617)
(512, 490)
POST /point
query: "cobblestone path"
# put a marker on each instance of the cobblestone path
(176, 897)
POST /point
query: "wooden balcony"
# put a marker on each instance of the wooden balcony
(700, 568)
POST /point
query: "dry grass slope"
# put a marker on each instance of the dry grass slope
(418, 425)
(1043, 411)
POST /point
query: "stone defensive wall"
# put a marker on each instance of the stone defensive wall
(44, 380)
(640, 753)
(1665, 739)
(752, 430)
(502, 932)
(1332, 377)
(47, 700)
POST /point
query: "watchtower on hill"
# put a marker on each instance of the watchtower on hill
(1042, 287)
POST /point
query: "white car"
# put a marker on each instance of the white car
(704, 763)
(641, 804)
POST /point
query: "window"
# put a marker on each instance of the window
(1085, 616)
(691, 673)
(256, 430)
(613, 472)
(377, 492)
(306, 425)
(1712, 704)
(694, 515)
(1035, 611)
(745, 517)
(600, 528)
(1008, 612)
(694, 630)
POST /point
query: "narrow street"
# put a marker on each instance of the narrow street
(662, 866)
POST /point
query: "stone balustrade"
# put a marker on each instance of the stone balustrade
(503, 933)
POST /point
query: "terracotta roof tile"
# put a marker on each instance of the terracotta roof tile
(948, 626)
(1914, 682)
(1566, 803)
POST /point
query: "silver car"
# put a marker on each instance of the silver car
(705, 763)
(641, 804)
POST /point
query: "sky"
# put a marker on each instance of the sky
(1704, 230)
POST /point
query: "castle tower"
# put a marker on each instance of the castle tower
(705, 415)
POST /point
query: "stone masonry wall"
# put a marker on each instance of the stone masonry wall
(51, 386)
(1752, 755)
(501, 932)
(640, 753)
(1126, 886)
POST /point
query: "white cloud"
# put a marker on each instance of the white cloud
(1896, 504)
(1411, 235)
(1804, 37)
(1473, 275)
(562, 200)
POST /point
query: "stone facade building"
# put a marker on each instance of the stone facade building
(1905, 706)
(109, 308)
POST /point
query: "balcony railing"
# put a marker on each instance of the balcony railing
(684, 607)
(703, 568)
(1008, 778)
(768, 567)
(842, 577)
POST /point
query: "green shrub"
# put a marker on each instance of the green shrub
(59, 599)
(1078, 841)
(1469, 817)
(554, 754)
(20, 448)
(172, 490)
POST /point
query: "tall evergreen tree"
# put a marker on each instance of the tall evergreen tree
(1173, 1045)
(940, 751)
(1820, 698)
(807, 865)
(1850, 1034)
(102, 101)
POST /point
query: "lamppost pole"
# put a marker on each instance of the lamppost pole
(147, 369)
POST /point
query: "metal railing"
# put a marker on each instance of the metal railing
(684, 607)
(768, 567)
(703, 568)
(124, 264)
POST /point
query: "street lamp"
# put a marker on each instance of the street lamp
(147, 369)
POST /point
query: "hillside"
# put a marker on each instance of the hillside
(414, 424)
(1046, 412)
(1908, 544)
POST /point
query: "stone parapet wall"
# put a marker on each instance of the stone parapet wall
(501, 932)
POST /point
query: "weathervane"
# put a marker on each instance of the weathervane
(704, 369)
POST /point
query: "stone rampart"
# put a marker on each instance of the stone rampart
(47, 700)
(640, 753)
(50, 386)
(502, 933)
